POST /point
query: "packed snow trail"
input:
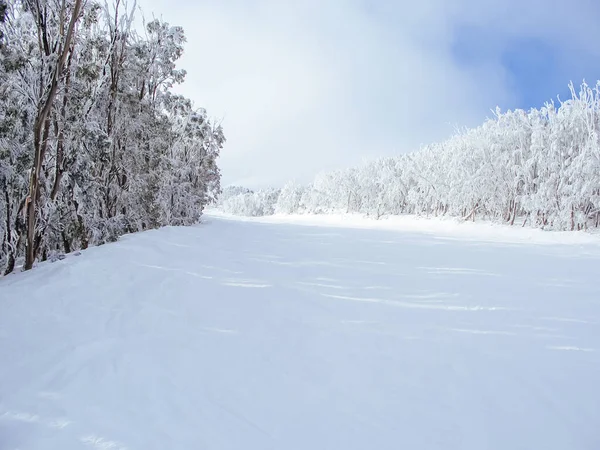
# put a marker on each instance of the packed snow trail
(242, 335)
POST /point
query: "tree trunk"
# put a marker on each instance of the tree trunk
(7, 228)
(60, 135)
(514, 213)
(82, 230)
(66, 242)
(40, 136)
(41, 131)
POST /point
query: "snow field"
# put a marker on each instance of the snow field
(241, 334)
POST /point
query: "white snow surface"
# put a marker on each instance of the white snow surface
(244, 334)
(442, 226)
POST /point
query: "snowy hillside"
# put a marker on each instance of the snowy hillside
(248, 335)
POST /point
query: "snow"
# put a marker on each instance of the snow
(261, 334)
(440, 226)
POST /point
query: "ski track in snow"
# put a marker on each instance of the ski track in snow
(246, 335)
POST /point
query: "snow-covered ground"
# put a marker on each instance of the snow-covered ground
(255, 335)
(441, 226)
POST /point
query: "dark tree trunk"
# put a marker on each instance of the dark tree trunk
(41, 129)
(514, 212)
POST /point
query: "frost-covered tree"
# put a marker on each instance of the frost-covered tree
(289, 200)
(93, 143)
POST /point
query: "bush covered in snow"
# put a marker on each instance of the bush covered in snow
(243, 202)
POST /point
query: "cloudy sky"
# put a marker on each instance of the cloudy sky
(310, 85)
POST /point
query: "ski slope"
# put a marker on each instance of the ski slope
(254, 335)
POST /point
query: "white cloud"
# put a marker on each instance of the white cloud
(305, 86)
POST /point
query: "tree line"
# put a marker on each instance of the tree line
(93, 141)
(537, 168)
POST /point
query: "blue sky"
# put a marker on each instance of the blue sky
(312, 85)
(537, 69)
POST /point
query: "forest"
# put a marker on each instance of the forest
(94, 143)
(538, 168)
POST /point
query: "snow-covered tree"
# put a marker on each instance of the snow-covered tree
(93, 143)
